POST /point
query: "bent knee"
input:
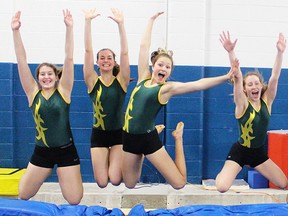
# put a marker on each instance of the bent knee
(222, 187)
(25, 196)
(283, 184)
(116, 183)
(179, 185)
(116, 180)
(130, 185)
(74, 200)
(102, 184)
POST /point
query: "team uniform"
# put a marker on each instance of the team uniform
(54, 140)
(108, 102)
(140, 135)
(253, 126)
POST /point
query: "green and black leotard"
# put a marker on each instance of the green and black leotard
(108, 102)
(253, 126)
(51, 117)
(143, 107)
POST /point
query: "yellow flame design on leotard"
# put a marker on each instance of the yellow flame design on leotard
(38, 121)
(246, 129)
(98, 109)
(129, 108)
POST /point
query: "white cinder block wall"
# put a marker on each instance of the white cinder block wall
(190, 28)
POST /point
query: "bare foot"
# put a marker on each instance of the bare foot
(178, 132)
(160, 128)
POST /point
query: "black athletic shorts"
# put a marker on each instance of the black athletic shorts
(147, 143)
(61, 156)
(247, 156)
(102, 138)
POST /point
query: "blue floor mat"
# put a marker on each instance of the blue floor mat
(216, 210)
(13, 207)
(17, 207)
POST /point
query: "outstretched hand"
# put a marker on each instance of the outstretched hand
(156, 15)
(90, 14)
(235, 71)
(68, 19)
(281, 43)
(16, 23)
(226, 41)
(118, 16)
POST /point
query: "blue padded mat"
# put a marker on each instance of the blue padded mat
(216, 210)
(13, 207)
(17, 207)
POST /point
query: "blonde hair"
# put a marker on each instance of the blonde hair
(159, 53)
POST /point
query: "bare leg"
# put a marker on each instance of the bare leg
(173, 171)
(100, 157)
(179, 150)
(225, 178)
(32, 180)
(131, 168)
(115, 164)
(70, 181)
(273, 173)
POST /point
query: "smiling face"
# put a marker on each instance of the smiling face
(253, 87)
(47, 77)
(105, 60)
(161, 69)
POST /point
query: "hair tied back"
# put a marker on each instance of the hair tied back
(168, 52)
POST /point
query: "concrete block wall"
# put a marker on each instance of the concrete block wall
(190, 28)
(6, 115)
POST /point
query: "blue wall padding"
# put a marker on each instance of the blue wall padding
(210, 125)
(36, 208)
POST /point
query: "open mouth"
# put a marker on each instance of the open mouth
(255, 93)
(161, 75)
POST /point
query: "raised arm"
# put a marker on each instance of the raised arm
(90, 74)
(143, 61)
(67, 78)
(228, 46)
(271, 91)
(124, 74)
(28, 82)
(240, 99)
